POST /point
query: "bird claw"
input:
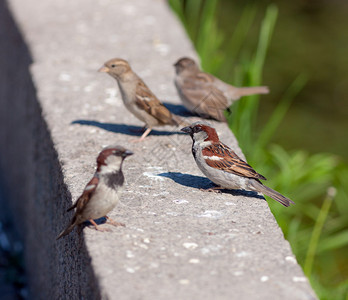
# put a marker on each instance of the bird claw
(96, 227)
(102, 229)
(145, 134)
(114, 223)
(212, 190)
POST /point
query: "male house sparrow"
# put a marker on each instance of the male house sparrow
(206, 95)
(137, 97)
(102, 192)
(223, 166)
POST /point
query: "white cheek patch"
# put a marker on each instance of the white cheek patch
(213, 157)
(200, 137)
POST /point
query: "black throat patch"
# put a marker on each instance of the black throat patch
(114, 180)
(193, 150)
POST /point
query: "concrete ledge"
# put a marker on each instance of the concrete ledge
(58, 112)
(33, 180)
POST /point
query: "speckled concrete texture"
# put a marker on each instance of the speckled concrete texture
(179, 242)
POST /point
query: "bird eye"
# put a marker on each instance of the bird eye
(196, 129)
(113, 66)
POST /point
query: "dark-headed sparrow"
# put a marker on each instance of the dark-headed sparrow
(102, 193)
(206, 95)
(138, 98)
(223, 166)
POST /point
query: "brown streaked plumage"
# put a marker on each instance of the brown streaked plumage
(232, 163)
(206, 95)
(148, 102)
(223, 166)
(102, 192)
(138, 98)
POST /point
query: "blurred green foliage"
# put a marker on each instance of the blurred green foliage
(317, 226)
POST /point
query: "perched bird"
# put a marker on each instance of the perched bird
(138, 98)
(223, 166)
(102, 193)
(206, 95)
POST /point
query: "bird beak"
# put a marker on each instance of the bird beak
(186, 129)
(127, 153)
(104, 69)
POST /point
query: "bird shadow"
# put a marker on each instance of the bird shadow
(124, 129)
(182, 111)
(199, 182)
(178, 109)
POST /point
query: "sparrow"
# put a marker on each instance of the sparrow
(206, 95)
(223, 166)
(138, 98)
(102, 192)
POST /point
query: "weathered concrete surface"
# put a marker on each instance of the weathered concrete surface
(32, 179)
(180, 242)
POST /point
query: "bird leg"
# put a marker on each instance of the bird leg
(145, 134)
(113, 222)
(215, 189)
(97, 227)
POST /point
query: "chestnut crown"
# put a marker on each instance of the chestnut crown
(112, 155)
(196, 129)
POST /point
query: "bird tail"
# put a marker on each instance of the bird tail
(67, 230)
(245, 91)
(259, 187)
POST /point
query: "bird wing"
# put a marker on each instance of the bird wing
(147, 101)
(86, 195)
(205, 96)
(220, 156)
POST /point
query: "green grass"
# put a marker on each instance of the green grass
(317, 226)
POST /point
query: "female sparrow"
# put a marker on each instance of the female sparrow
(102, 192)
(223, 166)
(137, 97)
(206, 95)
